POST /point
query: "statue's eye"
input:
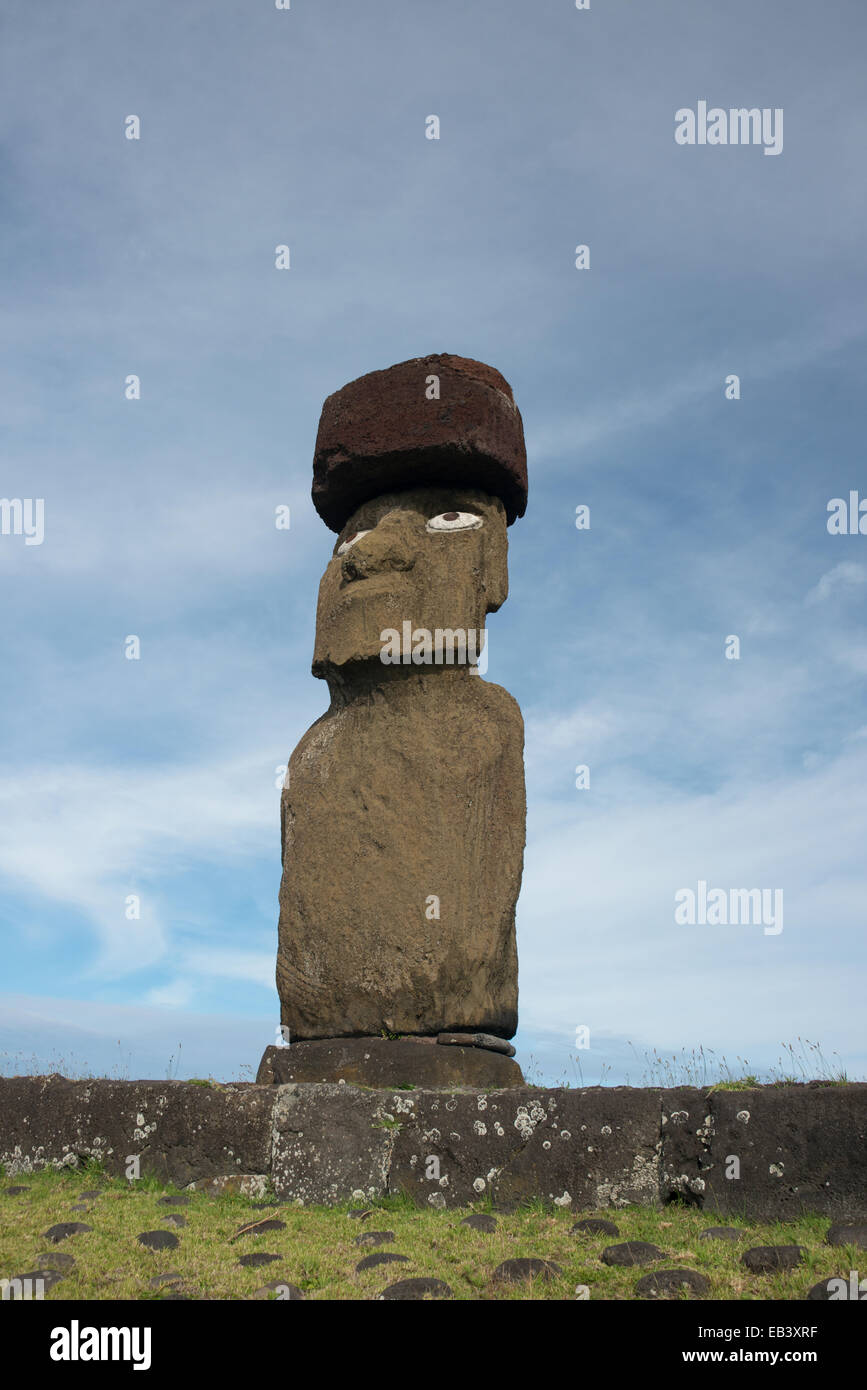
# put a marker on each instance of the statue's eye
(350, 541)
(454, 521)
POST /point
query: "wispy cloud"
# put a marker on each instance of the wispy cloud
(847, 575)
(157, 778)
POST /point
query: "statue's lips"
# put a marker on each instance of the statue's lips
(391, 583)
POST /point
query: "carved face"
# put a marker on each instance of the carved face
(432, 557)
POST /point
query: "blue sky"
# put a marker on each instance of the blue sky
(158, 777)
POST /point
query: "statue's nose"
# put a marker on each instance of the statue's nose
(387, 547)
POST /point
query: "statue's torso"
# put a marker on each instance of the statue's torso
(402, 804)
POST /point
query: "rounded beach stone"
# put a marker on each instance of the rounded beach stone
(158, 1240)
(670, 1283)
(722, 1233)
(765, 1259)
(822, 1293)
(417, 1289)
(631, 1252)
(382, 1257)
(480, 1221)
(595, 1226)
(483, 1040)
(848, 1233)
(49, 1278)
(259, 1228)
(64, 1229)
(256, 1260)
(374, 1238)
(16, 1191)
(176, 1201)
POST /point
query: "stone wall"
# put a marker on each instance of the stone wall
(768, 1152)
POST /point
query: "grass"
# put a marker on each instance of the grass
(317, 1250)
(700, 1067)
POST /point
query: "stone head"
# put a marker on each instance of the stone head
(431, 557)
(419, 469)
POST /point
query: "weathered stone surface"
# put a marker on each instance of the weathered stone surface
(160, 1281)
(486, 1040)
(397, 913)
(233, 1185)
(767, 1259)
(385, 1063)
(589, 1149)
(583, 1150)
(16, 1191)
(64, 1229)
(175, 1219)
(257, 1259)
(432, 558)
(515, 1271)
(595, 1226)
(670, 1283)
(687, 1130)
(178, 1132)
(848, 1233)
(158, 1240)
(722, 1233)
(417, 1289)
(332, 1143)
(357, 949)
(179, 1199)
(799, 1148)
(382, 432)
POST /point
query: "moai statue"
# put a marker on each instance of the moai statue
(403, 810)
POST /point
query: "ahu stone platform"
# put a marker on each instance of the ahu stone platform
(767, 1153)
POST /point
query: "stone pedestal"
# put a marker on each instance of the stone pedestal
(386, 1063)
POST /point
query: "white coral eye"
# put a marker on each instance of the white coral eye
(454, 521)
(350, 541)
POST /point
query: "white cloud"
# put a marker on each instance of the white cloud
(88, 837)
(847, 575)
(598, 942)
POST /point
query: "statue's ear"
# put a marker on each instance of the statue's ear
(496, 561)
(496, 581)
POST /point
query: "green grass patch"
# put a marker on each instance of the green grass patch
(318, 1253)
